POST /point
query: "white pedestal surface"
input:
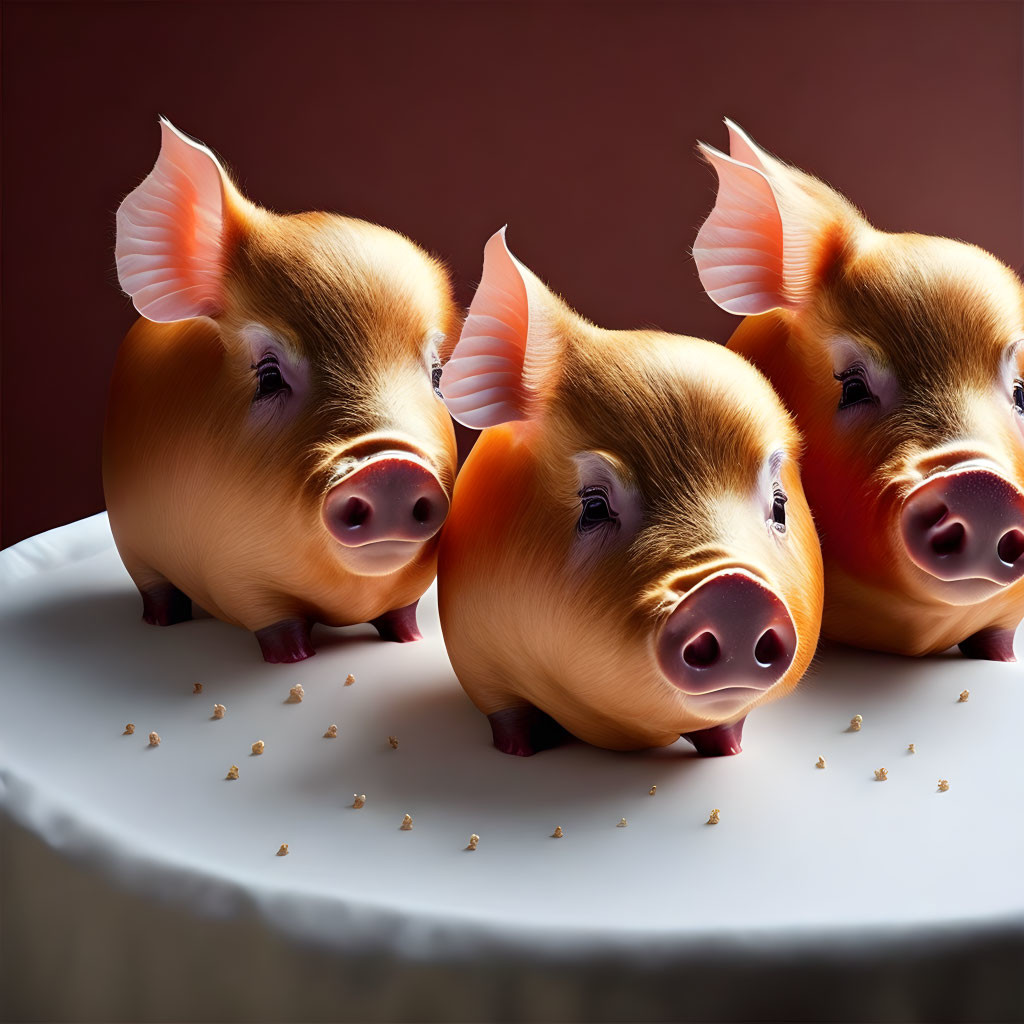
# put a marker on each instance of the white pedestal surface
(137, 883)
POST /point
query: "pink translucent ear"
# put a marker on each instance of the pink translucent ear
(483, 382)
(743, 148)
(169, 232)
(739, 249)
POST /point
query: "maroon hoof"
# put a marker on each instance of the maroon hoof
(398, 625)
(992, 644)
(164, 605)
(718, 740)
(524, 731)
(285, 641)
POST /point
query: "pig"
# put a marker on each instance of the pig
(275, 449)
(629, 556)
(902, 358)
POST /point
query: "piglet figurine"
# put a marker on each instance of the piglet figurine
(902, 358)
(274, 447)
(629, 555)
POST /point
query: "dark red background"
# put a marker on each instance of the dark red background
(574, 123)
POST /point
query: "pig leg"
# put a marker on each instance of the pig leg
(991, 644)
(399, 624)
(285, 641)
(718, 740)
(163, 604)
(524, 730)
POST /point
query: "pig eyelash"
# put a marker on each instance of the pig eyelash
(1018, 395)
(856, 390)
(270, 382)
(596, 512)
(778, 517)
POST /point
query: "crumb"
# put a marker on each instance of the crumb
(558, 833)
(473, 840)
(943, 785)
(218, 710)
(820, 763)
(257, 747)
(233, 772)
(295, 694)
(652, 791)
(283, 852)
(910, 748)
(349, 679)
(881, 774)
(964, 696)
(622, 823)
(393, 740)
(129, 729)
(332, 732)
(855, 723)
(154, 739)
(713, 817)
(358, 800)
(406, 825)
(197, 688)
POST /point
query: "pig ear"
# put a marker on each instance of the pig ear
(170, 233)
(495, 371)
(763, 244)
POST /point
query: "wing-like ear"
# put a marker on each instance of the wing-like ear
(170, 232)
(771, 233)
(496, 370)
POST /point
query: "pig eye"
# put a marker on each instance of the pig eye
(779, 500)
(595, 511)
(855, 387)
(269, 379)
(1018, 396)
(435, 374)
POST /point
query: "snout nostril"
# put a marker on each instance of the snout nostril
(949, 540)
(421, 510)
(702, 652)
(769, 649)
(1011, 546)
(354, 513)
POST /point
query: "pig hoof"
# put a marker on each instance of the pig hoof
(164, 605)
(398, 625)
(992, 644)
(718, 740)
(285, 641)
(524, 731)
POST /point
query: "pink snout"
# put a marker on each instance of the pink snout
(728, 640)
(391, 498)
(966, 524)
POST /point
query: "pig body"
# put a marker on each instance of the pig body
(901, 357)
(629, 556)
(274, 450)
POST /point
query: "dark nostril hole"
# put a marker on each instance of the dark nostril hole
(421, 510)
(769, 649)
(354, 513)
(949, 540)
(702, 652)
(1011, 546)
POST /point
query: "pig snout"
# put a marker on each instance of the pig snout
(729, 639)
(966, 524)
(384, 508)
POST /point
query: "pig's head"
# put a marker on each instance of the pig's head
(643, 502)
(902, 356)
(331, 330)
